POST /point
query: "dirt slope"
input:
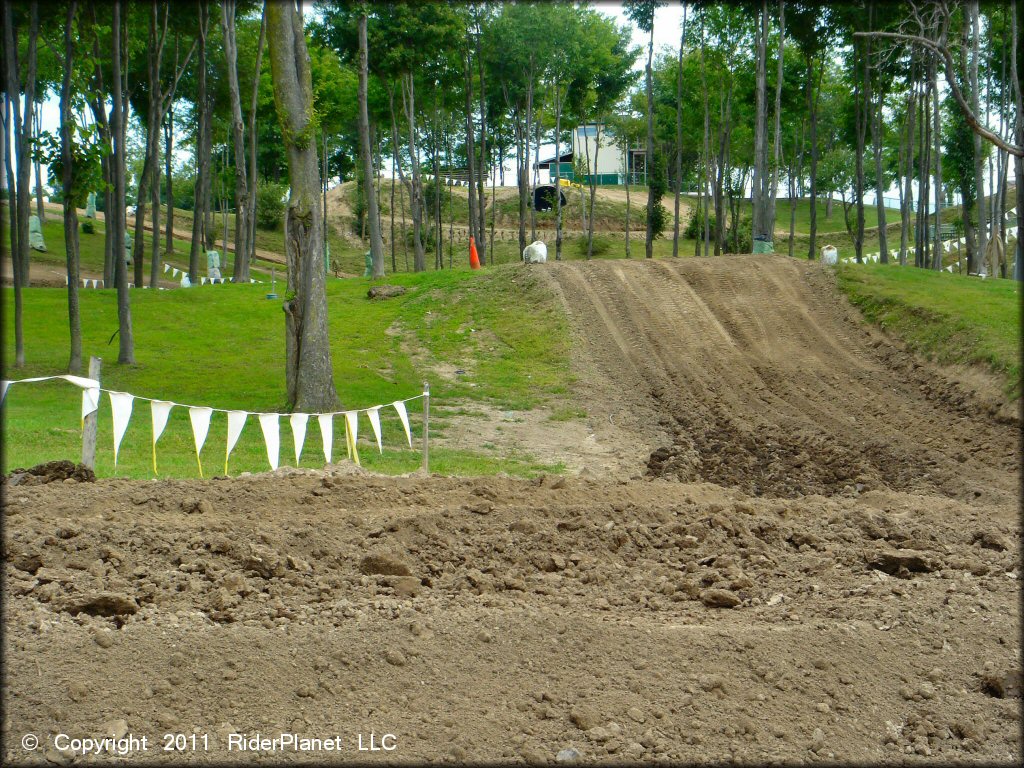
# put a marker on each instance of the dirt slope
(750, 372)
(845, 588)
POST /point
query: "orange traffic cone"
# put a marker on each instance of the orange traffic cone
(474, 259)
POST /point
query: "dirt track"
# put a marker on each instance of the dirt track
(836, 578)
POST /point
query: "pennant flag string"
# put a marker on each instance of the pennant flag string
(200, 417)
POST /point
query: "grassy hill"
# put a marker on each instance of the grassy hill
(224, 348)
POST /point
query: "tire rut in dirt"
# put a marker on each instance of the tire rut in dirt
(762, 380)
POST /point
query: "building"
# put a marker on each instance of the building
(608, 164)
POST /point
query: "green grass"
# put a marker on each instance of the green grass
(225, 348)
(948, 318)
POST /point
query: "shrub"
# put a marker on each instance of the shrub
(602, 246)
(695, 226)
(270, 203)
(88, 227)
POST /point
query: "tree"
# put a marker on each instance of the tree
(201, 207)
(309, 374)
(641, 12)
(22, 125)
(116, 222)
(376, 242)
(242, 208)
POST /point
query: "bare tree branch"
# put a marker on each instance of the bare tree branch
(947, 58)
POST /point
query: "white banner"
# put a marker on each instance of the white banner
(175, 272)
(3, 389)
(327, 433)
(298, 422)
(121, 407)
(159, 410)
(374, 415)
(167, 267)
(200, 418)
(403, 416)
(271, 436)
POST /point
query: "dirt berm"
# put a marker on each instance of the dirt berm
(817, 560)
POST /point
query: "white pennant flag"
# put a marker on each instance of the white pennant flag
(403, 416)
(327, 433)
(175, 272)
(352, 434)
(167, 267)
(3, 389)
(85, 282)
(271, 436)
(159, 410)
(121, 407)
(202, 281)
(298, 422)
(236, 420)
(374, 415)
(200, 418)
(90, 401)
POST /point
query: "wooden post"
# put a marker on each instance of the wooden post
(89, 424)
(426, 427)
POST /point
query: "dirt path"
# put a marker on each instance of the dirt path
(820, 564)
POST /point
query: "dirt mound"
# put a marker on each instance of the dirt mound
(750, 372)
(647, 620)
(51, 472)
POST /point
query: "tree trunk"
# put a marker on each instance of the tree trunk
(593, 191)
(23, 120)
(16, 188)
(168, 150)
(773, 190)
(651, 202)
(794, 192)
(36, 132)
(760, 187)
(201, 197)
(253, 138)
(979, 178)
(907, 169)
(558, 171)
(877, 127)
(309, 374)
(467, 71)
(862, 103)
(629, 204)
(415, 189)
(937, 137)
(482, 167)
(536, 179)
(126, 341)
(240, 273)
(679, 136)
(812, 109)
(1016, 10)
(68, 201)
(376, 243)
